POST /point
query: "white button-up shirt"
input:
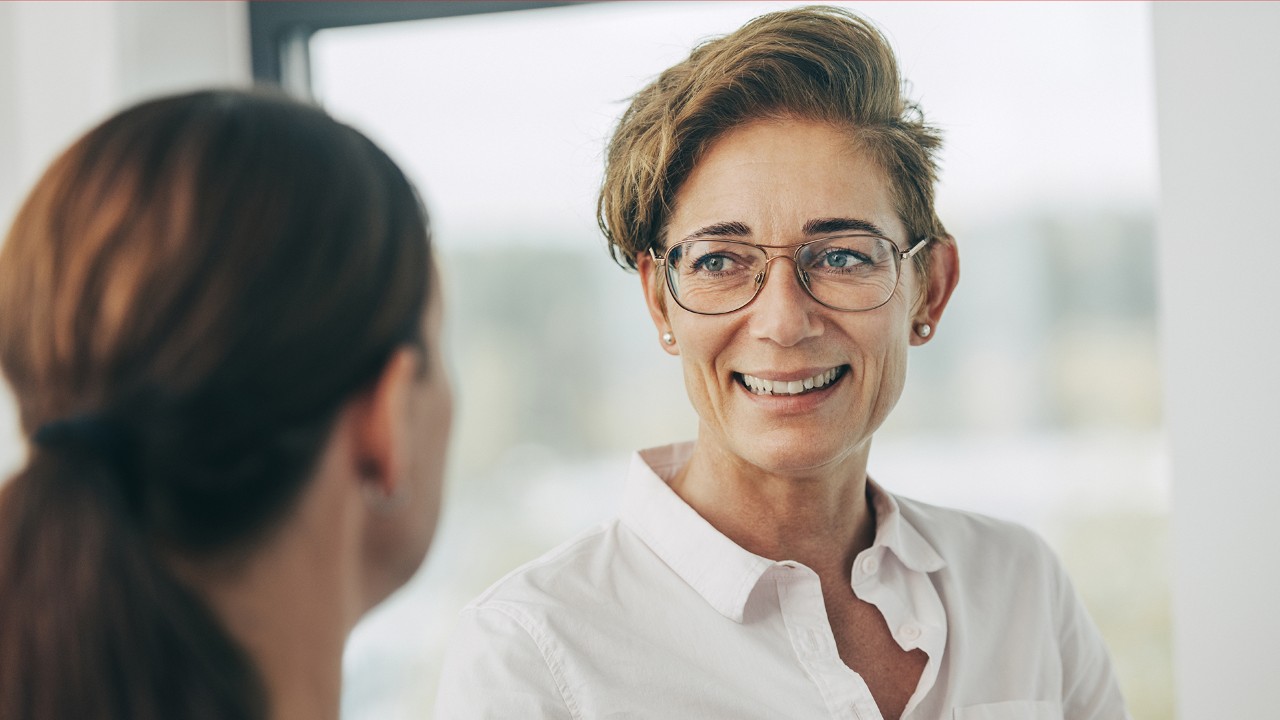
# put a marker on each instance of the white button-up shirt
(659, 615)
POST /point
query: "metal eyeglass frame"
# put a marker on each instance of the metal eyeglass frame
(801, 275)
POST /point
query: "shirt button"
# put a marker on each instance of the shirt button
(870, 565)
(910, 631)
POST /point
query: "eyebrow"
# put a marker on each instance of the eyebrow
(828, 226)
(820, 226)
(721, 229)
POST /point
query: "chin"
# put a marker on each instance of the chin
(788, 453)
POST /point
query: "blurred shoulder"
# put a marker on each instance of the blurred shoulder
(963, 537)
(573, 572)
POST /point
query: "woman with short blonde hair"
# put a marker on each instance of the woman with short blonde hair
(775, 193)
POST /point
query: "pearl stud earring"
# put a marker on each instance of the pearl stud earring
(923, 330)
(668, 338)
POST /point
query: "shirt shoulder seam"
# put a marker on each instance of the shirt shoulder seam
(487, 598)
(544, 644)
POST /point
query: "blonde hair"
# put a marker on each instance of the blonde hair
(814, 63)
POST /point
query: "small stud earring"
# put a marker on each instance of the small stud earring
(668, 338)
(923, 330)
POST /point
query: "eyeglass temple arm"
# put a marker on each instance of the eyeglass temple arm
(908, 254)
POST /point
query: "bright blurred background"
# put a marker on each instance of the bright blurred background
(1038, 401)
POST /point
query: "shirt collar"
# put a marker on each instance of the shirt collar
(716, 567)
(720, 570)
(899, 536)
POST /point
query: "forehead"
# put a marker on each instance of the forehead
(777, 175)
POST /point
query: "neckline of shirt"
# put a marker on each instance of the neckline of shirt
(720, 570)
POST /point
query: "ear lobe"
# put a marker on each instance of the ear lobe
(379, 414)
(944, 275)
(655, 299)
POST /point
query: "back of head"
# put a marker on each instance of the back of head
(814, 63)
(186, 298)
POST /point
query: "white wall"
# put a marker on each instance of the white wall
(1219, 123)
(64, 66)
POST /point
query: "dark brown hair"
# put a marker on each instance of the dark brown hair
(187, 296)
(813, 63)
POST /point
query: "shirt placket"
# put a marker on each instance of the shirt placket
(913, 612)
(804, 613)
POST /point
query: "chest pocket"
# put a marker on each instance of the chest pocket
(1011, 710)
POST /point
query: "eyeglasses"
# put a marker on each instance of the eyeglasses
(844, 272)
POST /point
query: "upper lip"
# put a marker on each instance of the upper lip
(790, 375)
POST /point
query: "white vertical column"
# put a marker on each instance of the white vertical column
(1219, 122)
(65, 60)
(64, 66)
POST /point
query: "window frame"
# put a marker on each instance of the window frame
(280, 32)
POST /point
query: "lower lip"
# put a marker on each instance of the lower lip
(795, 404)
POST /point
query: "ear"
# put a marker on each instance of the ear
(655, 298)
(380, 441)
(944, 275)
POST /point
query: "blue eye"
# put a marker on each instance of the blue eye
(842, 259)
(712, 263)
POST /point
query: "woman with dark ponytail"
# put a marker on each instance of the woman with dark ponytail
(220, 323)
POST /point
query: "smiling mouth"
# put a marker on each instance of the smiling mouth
(760, 386)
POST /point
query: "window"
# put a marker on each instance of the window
(1037, 402)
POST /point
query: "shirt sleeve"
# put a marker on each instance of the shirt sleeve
(1090, 690)
(499, 666)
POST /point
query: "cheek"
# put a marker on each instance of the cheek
(436, 430)
(432, 428)
(884, 347)
(702, 342)
(699, 378)
(895, 371)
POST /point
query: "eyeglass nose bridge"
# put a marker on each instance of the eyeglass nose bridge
(800, 274)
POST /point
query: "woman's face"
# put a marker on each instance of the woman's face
(402, 437)
(768, 180)
(428, 423)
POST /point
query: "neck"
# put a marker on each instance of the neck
(289, 607)
(819, 516)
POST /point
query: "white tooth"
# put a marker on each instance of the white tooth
(820, 380)
(831, 374)
(795, 387)
(808, 384)
(767, 385)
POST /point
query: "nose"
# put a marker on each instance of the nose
(782, 311)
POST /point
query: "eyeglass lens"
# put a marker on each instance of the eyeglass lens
(850, 272)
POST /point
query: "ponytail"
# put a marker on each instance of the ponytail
(85, 598)
(218, 272)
